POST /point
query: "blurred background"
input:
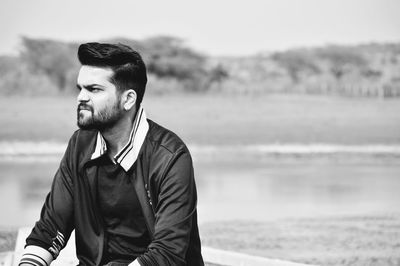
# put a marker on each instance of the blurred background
(291, 110)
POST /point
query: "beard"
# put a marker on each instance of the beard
(103, 119)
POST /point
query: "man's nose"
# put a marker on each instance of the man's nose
(83, 96)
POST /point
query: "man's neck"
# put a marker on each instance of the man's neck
(117, 136)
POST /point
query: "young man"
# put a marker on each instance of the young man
(125, 184)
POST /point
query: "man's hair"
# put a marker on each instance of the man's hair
(127, 64)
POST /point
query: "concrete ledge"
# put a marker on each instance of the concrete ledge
(230, 258)
(6, 258)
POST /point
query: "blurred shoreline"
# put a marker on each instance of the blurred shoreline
(30, 151)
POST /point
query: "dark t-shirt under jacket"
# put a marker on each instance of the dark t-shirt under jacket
(127, 236)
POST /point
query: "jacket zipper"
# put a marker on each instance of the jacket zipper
(100, 221)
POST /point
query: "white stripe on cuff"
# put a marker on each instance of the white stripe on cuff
(30, 252)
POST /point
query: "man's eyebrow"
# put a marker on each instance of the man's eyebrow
(89, 86)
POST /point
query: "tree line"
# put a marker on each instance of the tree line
(46, 66)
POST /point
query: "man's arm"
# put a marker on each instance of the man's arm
(174, 214)
(51, 233)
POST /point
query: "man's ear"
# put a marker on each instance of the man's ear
(129, 99)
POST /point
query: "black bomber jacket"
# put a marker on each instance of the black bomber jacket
(164, 182)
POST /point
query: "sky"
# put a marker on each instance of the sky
(213, 27)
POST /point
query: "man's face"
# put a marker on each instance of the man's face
(99, 105)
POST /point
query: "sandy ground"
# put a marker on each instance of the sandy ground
(7, 239)
(357, 240)
(348, 240)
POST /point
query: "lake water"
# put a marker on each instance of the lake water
(236, 186)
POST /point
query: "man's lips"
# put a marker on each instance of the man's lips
(84, 108)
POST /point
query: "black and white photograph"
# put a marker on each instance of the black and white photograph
(216, 133)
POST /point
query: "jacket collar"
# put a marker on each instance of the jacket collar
(127, 156)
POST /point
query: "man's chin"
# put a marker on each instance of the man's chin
(86, 125)
(90, 125)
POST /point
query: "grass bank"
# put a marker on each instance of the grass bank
(224, 119)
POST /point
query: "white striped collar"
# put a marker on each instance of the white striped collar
(127, 156)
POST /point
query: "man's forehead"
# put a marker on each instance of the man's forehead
(94, 75)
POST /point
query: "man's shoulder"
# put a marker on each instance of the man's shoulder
(164, 139)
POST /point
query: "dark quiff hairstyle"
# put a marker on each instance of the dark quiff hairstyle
(127, 64)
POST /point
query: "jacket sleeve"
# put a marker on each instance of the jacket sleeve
(51, 233)
(176, 205)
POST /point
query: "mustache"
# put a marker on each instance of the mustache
(83, 106)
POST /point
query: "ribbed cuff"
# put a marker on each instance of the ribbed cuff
(37, 256)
